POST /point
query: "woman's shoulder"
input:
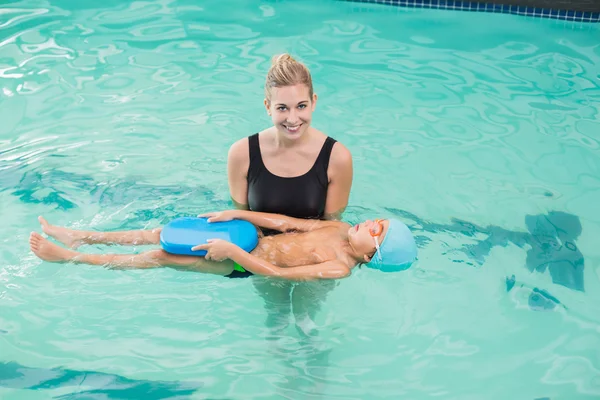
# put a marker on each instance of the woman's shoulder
(240, 148)
(239, 151)
(341, 156)
(338, 146)
(341, 153)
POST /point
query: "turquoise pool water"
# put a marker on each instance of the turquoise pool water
(481, 131)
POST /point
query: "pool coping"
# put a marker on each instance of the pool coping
(579, 11)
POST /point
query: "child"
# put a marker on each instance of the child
(305, 250)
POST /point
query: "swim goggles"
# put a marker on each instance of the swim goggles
(376, 233)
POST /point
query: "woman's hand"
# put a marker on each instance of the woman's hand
(219, 216)
(216, 249)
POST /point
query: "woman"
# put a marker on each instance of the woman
(293, 169)
(290, 168)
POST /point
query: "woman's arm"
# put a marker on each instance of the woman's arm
(340, 181)
(278, 222)
(238, 161)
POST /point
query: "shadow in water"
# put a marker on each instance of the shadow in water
(550, 241)
(61, 190)
(90, 383)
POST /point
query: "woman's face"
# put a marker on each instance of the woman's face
(291, 109)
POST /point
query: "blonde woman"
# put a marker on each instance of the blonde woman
(290, 168)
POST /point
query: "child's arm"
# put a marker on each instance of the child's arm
(219, 250)
(277, 222)
(327, 270)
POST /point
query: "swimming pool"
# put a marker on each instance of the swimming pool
(479, 130)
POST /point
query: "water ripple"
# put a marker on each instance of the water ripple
(9, 18)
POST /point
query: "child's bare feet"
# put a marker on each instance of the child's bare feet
(48, 251)
(64, 235)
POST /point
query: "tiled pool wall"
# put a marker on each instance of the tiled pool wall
(568, 10)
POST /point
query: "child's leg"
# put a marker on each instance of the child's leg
(48, 251)
(74, 238)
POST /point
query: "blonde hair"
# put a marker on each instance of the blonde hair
(285, 71)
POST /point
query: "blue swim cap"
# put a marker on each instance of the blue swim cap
(397, 251)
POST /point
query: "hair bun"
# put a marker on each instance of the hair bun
(281, 58)
(286, 71)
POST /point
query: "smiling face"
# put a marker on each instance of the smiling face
(366, 236)
(291, 108)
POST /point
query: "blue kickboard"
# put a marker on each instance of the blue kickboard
(181, 234)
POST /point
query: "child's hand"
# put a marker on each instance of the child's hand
(219, 216)
(216, 249)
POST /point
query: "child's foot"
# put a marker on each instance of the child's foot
(48, 251)
(64, 235)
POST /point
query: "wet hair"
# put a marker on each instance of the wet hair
(285, 71)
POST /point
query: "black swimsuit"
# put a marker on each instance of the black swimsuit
(302, 196)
